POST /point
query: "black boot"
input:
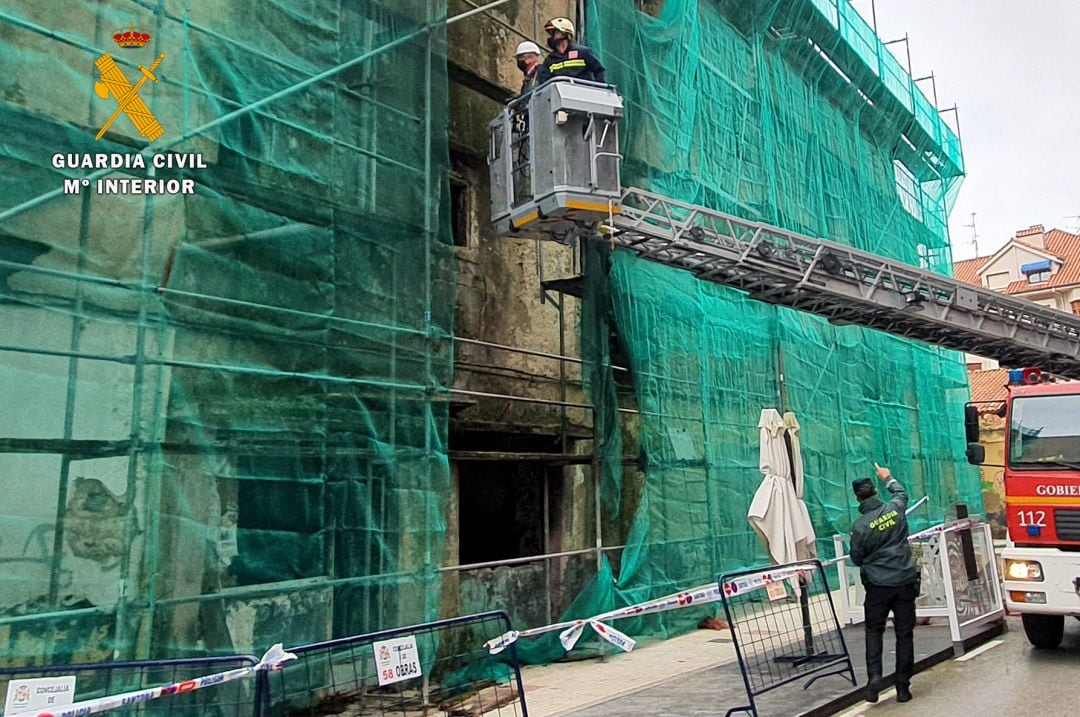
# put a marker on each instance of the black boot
(903, 693)
(873, 687)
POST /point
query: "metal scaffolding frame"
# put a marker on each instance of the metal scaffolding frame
(562, 458)
(140, 447)
(148, 355)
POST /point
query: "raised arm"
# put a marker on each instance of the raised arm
(899, 495)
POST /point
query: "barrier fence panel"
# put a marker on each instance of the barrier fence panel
(947, 590)
(784, 628)
(972, 598)
(435, 668)
(97, 680)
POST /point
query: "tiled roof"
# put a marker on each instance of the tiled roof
(1062, 244)
(988, 385)
(1058, 242)
(967, 270)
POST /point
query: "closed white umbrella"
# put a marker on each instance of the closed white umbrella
(808, 540)
(779, 516)
(777, 512)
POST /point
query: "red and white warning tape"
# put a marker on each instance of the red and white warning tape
(274, 658)
(570, 631)
(701, 595)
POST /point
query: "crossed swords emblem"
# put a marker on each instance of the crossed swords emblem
(113, 82)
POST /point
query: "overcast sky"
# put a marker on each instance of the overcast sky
(1013, 67)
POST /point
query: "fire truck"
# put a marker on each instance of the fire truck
(1042, 497)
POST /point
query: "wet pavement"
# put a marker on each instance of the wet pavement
(713, 691)
(1007, 676)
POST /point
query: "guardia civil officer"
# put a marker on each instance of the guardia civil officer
(879, 546)
(566, 58)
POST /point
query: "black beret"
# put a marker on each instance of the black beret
(860, 484)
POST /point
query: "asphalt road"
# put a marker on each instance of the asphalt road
(1005, 677)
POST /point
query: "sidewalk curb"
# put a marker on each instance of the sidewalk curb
(855, 695)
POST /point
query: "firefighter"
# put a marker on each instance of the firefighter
(879, 546)
(528, 61)
(566, 58)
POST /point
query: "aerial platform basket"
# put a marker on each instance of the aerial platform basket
(554, 158)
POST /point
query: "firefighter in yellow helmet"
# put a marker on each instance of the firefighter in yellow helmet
(566, 58)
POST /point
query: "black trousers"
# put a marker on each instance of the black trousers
(900, 601)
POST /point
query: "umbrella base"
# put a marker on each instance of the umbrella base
(802, 659)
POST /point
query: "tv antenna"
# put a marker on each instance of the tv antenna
(1073, 229)
(975, 234)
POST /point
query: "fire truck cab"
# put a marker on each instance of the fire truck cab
(1042, 497)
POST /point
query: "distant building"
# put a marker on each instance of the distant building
(1037, 265)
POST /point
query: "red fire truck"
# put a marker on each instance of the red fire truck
(1042, 497)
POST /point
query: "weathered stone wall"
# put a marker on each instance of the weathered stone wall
(499, 296)
(499, 301)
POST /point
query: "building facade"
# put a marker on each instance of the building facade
(318, 396)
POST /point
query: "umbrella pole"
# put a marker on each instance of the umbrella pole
(808, 630)
(808, 654)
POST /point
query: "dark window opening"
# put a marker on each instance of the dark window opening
(501, 510)
(279, 520)
(460, 207)
(501, 502)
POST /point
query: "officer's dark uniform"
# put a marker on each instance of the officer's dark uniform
(578, 62)
(879, 546)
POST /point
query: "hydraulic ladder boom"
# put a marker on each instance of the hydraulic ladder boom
(555, 170)
(845, 285)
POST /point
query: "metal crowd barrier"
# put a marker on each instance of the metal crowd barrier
(403, 672)
(232, 699)
(949, 589)
(437, 667)
(784, 628)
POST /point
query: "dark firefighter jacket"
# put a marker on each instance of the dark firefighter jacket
(879, 540)
(578, 62)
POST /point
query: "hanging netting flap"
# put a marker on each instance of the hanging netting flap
(730, 106)
(224, 412)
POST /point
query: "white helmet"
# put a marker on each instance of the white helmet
(527, 47)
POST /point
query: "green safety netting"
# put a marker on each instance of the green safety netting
(730, 105)
(224, 419)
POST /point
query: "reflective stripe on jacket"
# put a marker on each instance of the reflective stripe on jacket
(578, 62)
